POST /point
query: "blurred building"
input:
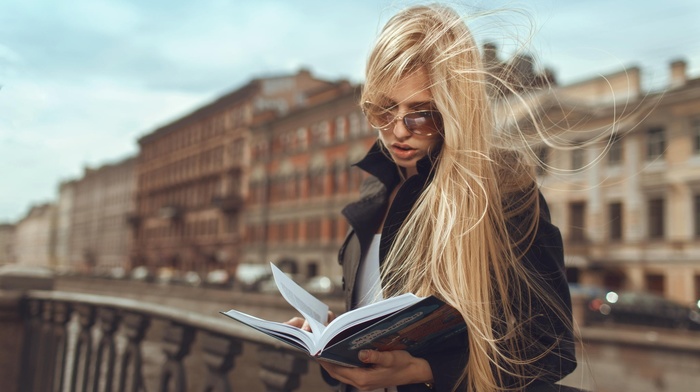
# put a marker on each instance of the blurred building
(7, 243)
(193, 176)
(301, 178)
(64, 225)
(34, 237)
(94, 212)
(629, 205)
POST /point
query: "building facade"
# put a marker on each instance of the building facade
(64, 225)
(35, 237)
(97, 229)
(629, 203)
(193, 176)
(7, 243)
(301, 178)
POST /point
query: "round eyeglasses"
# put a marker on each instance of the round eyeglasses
(420, 122)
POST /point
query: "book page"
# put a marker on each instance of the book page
(372, 311)
(293, 335)
(315, 311)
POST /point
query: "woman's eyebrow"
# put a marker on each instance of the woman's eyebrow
(421, 104)
(390, 103)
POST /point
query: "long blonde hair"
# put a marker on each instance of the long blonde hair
(456, 242)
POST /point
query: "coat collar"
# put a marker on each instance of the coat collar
(378, 163)
(366, 214)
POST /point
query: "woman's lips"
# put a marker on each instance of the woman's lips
(403, 151)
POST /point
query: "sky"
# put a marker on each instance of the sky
(82, 80)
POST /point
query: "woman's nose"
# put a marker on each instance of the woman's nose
(400, 130)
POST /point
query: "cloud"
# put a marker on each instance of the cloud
(83, 79)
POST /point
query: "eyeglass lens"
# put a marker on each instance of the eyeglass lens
(424, 122)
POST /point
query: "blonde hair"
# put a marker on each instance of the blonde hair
(457, 243)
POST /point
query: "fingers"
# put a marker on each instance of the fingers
(384, 359)
(306, 326)
(299, 323)
(388, 368)
(350, 376)
(331, 316)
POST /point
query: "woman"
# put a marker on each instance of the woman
(451, 208)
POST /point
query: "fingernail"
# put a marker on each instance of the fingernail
(364, 356)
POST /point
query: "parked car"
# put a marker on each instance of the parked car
(141, 273)
(249, 276)
(586, 291)
(191, 278)
(641, 308)
(117, 273)
(268, 284)
(324, 285)
(165, 275)
(219, 278)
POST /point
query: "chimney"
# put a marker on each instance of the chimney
(678, 76)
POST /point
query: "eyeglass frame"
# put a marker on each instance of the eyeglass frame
(391, 123)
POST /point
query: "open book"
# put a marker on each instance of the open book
(406, 322)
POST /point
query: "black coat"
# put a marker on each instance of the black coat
(545, 257)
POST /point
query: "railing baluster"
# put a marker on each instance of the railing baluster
(219, 355)
(61, 317)
(281, 371)
(46, 350)
(32, 344)
(83, 348)
(177, 341)
(130, 375)
(109, 322)
(54, 358)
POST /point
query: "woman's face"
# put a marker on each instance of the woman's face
(411, 94)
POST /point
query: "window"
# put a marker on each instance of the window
(335, 180)
(312, 269)
(577, 214)
(313, 230)
(321, 133)
(696, 215)
(542, 160)
(695, 134)
(578, 158)
(302, 141)
(615, 152)
(656, 143)
(294, 231)
(332, 229)
(655, 283)
(260, 150)
(316, 184)
(354, 176)
(615, 216)
(656, 218)
(340, 128)
(355, 120)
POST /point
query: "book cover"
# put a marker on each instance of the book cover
(414, 329)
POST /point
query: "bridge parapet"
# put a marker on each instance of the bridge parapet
(84, 342)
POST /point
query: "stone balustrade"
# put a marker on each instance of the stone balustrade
(61, 341)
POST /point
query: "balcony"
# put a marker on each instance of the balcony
(170, 212)
(133, 220)
(228, 204)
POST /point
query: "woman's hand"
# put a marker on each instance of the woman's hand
(389, 368)
(301, 323)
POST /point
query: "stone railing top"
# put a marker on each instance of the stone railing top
(25, 270)
(222, 325)
(21, 277)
